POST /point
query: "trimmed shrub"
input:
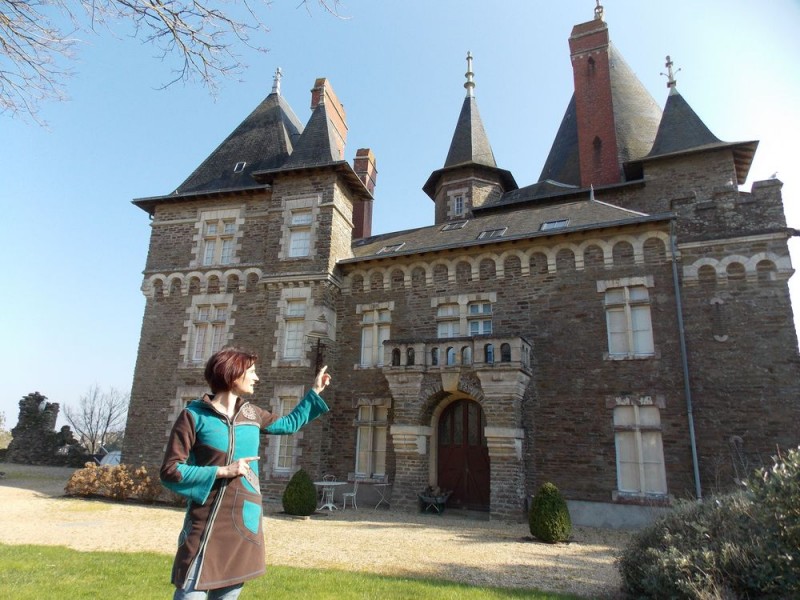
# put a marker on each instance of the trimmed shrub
(549, 518)
(739, 545)
(300, 496)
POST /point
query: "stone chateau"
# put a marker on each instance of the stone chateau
(621, 327)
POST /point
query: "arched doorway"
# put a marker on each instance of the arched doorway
(463, 455)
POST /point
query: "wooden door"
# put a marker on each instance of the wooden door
(463, 455)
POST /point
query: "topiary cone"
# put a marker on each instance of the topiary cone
(300, 496)
(549, 518)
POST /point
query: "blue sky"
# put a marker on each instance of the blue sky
(76, 246)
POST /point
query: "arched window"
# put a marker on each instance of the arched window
(488, 354)
(451, 356)
(410, 356)
(396, 357)
(466, 355)
(434, 356)
(505, 353)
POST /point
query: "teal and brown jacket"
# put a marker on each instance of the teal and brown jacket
(223, 516)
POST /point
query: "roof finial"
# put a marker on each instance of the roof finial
(276, 81)
(470, 85)
(598, 11)
(670, 75)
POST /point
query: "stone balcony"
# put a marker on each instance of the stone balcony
(478, 353)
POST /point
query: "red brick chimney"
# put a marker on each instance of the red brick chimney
(364, 167)
(597, 137)
(322, 93)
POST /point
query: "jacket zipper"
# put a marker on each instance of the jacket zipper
(218, 500)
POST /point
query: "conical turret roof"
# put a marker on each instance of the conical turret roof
(636, 119)
(264, 140)
(470, 145)
(318, 145)
(682, 131)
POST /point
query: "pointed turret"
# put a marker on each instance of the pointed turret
(470, 143)
(325, 135)
(264, 140)
(611, 118)
(470, 176)
(682, 131)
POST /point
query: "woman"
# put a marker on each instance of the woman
(211, 460)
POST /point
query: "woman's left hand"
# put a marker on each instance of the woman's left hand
(322, 380)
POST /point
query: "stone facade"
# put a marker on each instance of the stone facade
(512, 312)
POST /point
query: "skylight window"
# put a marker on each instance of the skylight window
(557, 224)
(391, 248)
(239, 166)
(492, 233)
(454, 225)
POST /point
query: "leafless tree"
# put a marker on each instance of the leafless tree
(99, 414)
(38, 39)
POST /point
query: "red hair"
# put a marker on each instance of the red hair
(226, 366)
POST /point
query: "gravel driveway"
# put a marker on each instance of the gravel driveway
(495, 553)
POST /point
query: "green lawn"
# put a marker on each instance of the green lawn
(36, 572)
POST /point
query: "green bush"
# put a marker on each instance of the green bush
(739, 545)
(549, 518)
(300, 496)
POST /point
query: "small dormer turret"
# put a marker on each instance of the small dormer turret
(470, 176)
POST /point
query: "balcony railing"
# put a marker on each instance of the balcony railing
(454, 353)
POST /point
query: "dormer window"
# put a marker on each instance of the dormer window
(492, 233)
(454, 225)
(557, 224)
(391, 248)
(239, 166)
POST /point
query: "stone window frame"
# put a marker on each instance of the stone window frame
(380, 331)
(201, 238)
(637, 402)
(626, 283)
(464, 301)
(452, 203)
(379, 413)
(290, 443)
(291, 207)
(282, 319)
(191, 327)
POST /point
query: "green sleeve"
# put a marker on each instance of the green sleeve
(309, 408)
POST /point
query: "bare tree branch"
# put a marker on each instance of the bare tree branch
(97, 415)
(38, 39)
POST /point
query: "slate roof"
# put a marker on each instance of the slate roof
(470, 143)
(469, 147)
(682, 131)
(264, 140)
(636, 116)
(317, 145)
(522, 223)
(563, 163)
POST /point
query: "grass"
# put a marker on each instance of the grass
(35, 572)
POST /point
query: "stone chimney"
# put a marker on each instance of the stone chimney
(322, 94)
(597, 138)
(364, 167)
